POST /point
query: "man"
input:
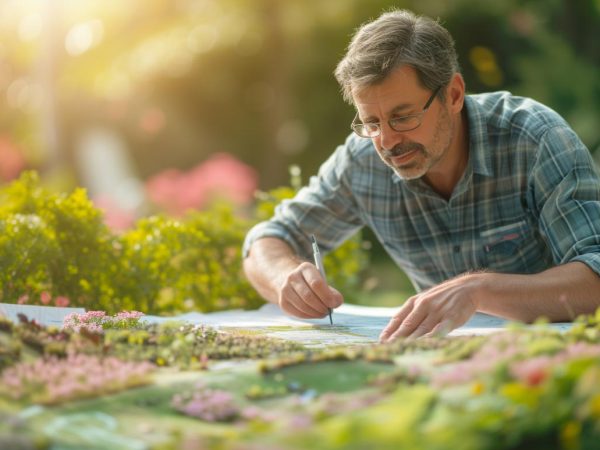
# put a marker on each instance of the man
(488, 202)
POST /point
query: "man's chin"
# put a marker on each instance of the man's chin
(408, 173)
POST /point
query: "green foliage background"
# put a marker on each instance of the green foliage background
(58, 244)
(254, 77)
(250, 77)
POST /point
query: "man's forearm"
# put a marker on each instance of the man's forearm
(267, 264)
(560, 293)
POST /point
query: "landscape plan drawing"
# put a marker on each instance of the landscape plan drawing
(352, 324)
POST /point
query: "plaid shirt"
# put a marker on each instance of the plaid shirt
(529, 199)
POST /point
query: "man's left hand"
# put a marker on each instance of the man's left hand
(435, 311)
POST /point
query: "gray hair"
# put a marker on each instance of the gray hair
(395, 39)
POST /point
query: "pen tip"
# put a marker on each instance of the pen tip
(313, 239)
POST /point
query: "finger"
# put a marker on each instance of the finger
(429, 324)
(308, 301)
(290, 296)
(396, 321)
(410, 323)
(441, 329)
(289, 308)
(336, 299)
(323, 293)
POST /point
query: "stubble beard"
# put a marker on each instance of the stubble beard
(425, 159)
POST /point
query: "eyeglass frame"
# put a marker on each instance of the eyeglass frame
(419, 115)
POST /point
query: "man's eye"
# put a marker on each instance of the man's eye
(403, 119)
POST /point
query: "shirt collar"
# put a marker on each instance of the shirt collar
(480, 161)
(479, 145)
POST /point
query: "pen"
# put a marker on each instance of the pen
(319, 264)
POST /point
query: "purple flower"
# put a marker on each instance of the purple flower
(207, 404)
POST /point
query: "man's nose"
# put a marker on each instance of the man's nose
(389, 138)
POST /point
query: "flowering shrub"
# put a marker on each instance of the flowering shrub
(54, 245)
(53, 380)
(98, 321)
(56, 250)
(190, 346)
(507, 355)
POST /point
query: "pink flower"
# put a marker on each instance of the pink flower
(123, 315)
(12, 161)
(45, 297)
(23, 299)
(52, 380)
(61, 301)
(115, 217)
(222, 175)
(207, 404)
(97, 321)
(300, 422)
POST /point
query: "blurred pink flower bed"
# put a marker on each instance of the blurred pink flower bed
(220, 177)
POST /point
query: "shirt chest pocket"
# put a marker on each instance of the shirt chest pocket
(512, 248)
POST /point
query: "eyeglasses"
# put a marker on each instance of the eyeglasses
(404, 123)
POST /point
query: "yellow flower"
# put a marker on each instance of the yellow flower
(569, 435)
(477, 388)
(595, 406)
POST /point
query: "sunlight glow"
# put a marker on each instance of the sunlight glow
(30, 27)
(84, 36)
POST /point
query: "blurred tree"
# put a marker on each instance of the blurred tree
(180, 80)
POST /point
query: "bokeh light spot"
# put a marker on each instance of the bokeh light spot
(153, 120)
(83, 36)
(30, 27)
(202, 39)
(292, 137)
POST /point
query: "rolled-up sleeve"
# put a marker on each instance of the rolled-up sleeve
(325, 208)
(565, 191)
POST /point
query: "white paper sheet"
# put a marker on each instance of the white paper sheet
(352, 324)
(44, 315)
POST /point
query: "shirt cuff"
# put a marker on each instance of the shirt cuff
(270, 229)
(592, 260)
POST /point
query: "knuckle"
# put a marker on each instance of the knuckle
(305, 266)
(410, 322)
(314, 284)
(423, 329)
(290, 279)
(286, 292)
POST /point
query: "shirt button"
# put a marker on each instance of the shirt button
(456, 248)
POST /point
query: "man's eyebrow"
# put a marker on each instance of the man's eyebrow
(401, 107)
(396, 109)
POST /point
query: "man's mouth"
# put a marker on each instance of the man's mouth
(403, 158)
(399, 156)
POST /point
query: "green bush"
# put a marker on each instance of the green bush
(171, 266)
(53, 243)
(56, 246)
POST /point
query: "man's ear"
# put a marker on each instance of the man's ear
(455, 96)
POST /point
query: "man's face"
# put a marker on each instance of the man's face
(411, 154)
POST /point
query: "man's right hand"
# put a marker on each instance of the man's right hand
(281, 277)
(306, 294)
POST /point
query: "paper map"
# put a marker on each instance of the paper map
(44, 315)
(352, 324)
